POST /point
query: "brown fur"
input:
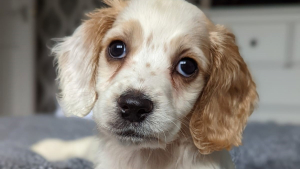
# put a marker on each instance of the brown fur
(74, 66)
(132, 36)
(180, 46)
(99, 22)
(228, 98)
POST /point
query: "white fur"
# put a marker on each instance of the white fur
(77, 93)
(111, 155)
(165, 20)
(173, 22)
(182, 155)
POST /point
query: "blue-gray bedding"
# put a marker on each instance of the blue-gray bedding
(18, 134)
(265, 146)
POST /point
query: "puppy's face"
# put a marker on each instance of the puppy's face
(150, 68)
(151, 71)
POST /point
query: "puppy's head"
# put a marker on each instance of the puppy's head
(148, 67)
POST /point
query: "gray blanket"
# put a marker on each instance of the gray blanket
(18, 134)
(266, 146)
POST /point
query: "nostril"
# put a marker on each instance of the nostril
(124, 107)
(142, 111)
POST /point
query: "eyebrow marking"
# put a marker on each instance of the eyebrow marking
(132, 34)
(180, 53)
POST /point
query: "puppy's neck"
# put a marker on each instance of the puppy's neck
(180, 154)
(146, 158)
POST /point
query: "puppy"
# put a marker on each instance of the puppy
(168, 88)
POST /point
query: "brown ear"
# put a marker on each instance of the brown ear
(228, 99)
(77, 60)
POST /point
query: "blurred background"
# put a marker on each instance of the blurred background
(268, 35)
(267, 31)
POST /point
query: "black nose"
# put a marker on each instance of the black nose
(135, 106)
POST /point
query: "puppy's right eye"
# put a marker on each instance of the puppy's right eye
(117, 49)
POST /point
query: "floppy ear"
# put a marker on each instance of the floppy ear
(77, 58)
(228, 99)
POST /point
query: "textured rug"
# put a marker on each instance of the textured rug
(266, 146)
(18, 134)
(269, 146)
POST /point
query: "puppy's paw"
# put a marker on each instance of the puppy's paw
(58, 150)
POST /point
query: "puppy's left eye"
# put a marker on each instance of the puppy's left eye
(117, 49)
(186, 67)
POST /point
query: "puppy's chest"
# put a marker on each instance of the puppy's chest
(173, 164)
(181, 158)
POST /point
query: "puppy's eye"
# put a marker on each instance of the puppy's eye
(117, 49)
(186, 67)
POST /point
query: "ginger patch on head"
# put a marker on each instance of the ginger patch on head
(131, 33)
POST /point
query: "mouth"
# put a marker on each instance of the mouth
(130, 135)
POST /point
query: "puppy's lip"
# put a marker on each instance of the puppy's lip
(129, 133)
(133, 134)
